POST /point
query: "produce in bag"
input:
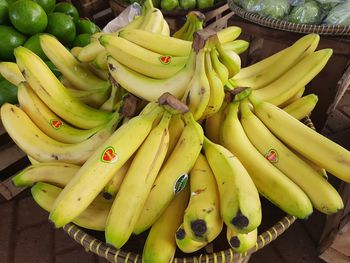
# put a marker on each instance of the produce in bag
(339, 15)
(308, 13)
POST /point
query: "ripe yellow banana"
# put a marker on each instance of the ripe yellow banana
(140, 178)
(174, 174)
(202, 220)
(93, 98)
(219, 67)
(142, 60)
(270, 181)
(238, 46)
(106, 160)
(230, 62)
(148, 88)
(93, 217)
(197, 93)
(185, 243)
(297, 95)
(75, 51)
(160, 244)
(176, 127)
(302, 107)
(287, 85)
(49, 122)
(194, 22)
(90, 51)
(155, 24)
(70, 67)
(11, 72)
(275, 70)
(55, 95)
(165, 29)
(37, 144)
(100, 62)
(241, 243)
(229, 33)
(240, 205)
(314, 146)
(321, 193)
(213, 124)
(55, 173)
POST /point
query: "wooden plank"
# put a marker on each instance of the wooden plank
(337, 121)
(331, 255)
(344, 104)
(9, 154)
(8, 190)
(342, 240)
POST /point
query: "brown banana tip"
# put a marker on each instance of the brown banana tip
(180, 234)
(234, 242)
(107, 196)
(240, 221)
(167, 99)
(200, 38)
(199, 15)
(130, 103)
(199, 227)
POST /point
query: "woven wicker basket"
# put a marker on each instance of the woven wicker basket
(288, 26)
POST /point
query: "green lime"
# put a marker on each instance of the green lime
(169, 4)
(82, 40)
(47, 5)
(61, 26)
(86, 26)
(10, 39)
(8, 92)
(28, 17)
(53, 68)
(33, 43)
(4, 12)
(68, 9)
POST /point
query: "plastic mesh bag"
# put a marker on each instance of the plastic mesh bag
(308, 13)
(339, 15)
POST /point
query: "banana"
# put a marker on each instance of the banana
(320, 150)
(70, 67)
(37, 144)
(296, 96)
(160, 244)
(194, 22)
(176, 127)
(202, 220)
(54, 94)
(240, 205)
(271, 182)
(156, 22)
(213, 123)
(55, 173)
(136, 22)
(113, 186)
(241, 243)
(75, 51)
(93, 217)
(100, 62)
(165, 45)
(47, 121)
(219, 67)
(198, 90)
(321, 193)
(287, 85)
(142, 60)
(302, 107)
(173, 175)
(106, 160)
(11, 72)
(90, 52)
(217, 93)
(229, 34)
(185, 243)
(101, 73)
(180, 33)
(32, 160)
(113, 101)
(165, 29)
(139, 177)
(237, 46)
(274, 71)
(93, 98)
(148, 88)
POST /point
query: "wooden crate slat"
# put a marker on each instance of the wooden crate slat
(9, 154)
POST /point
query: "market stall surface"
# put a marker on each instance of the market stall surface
(26, 236)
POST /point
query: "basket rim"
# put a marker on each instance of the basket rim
(178, 12)
(335, 30)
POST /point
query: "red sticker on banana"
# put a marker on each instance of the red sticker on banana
(166, 60)
(109, 155)
(56, 124)
(272, 156)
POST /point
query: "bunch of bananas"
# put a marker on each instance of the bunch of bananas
(191, 155)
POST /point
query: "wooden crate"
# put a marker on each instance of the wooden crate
(88, 8)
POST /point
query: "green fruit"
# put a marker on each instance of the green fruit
(188, 4)
(204, 3)
(8, 92)
(33, 43)
(4, 12)
(82, 40)
(28, 17)
(61, 26)
(68, 9)
(10, 39)
(47, 5)
(86, 26)
(169, 4)
(53, 68)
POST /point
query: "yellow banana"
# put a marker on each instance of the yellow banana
(237, 46)
(165, 29)
(90, 51)
(160, 244)
(11, 72)
(213, 124)
(75, 51)
(219, 68)
(230, 62)
(139, 177)
(55, 173)
(93, 98)
(173, 175)
(302, 107)
(176, 127)
(270, 181)
(155, 24)
(106, 160)
(194, 22)
(185, 243)
(202, 220)
(100, 62)
(241, 243)
(296, 96)
(229, 33)
(55, 95)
